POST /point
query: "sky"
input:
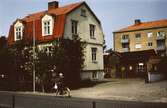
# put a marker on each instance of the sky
(113, 14)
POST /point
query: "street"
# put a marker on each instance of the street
(126, 89)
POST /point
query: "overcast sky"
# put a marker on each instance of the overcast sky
(113, 14)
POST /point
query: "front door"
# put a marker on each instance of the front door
(140, 69)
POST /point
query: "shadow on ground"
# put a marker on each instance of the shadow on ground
(89, 83)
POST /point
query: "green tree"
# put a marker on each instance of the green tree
(3, 42)
(43, 69)
(66, 58)
(5, 63)
(71, 63)
(21, 53)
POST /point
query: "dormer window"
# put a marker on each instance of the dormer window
(47, 25)
(18, 29)
(18, 33)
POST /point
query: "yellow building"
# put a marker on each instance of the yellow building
(142, 36)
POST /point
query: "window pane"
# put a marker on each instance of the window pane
(83, 12)
(94, 50)
(47, 30)
(92, 30)
(74, 26)
(18, 31)
(125, 36)
(149, 35)
(150, 43)
(138, 36)
(138, 46)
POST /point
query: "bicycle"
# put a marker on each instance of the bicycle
(62, 91)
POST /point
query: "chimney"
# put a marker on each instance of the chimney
(137, 21)
(53, 5)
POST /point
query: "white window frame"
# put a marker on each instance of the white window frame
(125, 36)
(83, 12)
(150, 44)
(140, 67)
(95, 75)
(18, 30)
(74, 27)
(149, 34)
(138, 46)
(92, 29)
(161, 34)
(47, 25)
(94, 54)
(138, 35)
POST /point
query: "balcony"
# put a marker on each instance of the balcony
(125, 49)
(161, 48)
(160, 37)
(124, 40)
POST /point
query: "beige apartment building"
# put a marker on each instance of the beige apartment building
(142, 36)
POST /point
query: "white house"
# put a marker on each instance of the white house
(65, 22)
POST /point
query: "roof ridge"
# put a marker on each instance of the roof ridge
(57, 11)
(144, 25)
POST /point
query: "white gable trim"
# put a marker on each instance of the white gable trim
(50, 19)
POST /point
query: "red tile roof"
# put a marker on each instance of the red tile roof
(145, 25)
(59, 24)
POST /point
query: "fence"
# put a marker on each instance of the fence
(14, 100)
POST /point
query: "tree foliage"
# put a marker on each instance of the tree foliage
(66, 57)
(21, 57)
(71, 57)
(5, 64)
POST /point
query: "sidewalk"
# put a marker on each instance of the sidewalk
(126, 89)
(121, 89)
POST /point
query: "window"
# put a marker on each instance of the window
(150, 44)
(92, 31)
(149, 35)
(94, 53)
(130, 67)
(94, 75)
(160, 43)
(140, 67)
(83, 12)
(125, 45)
(138, 46)
(18, 32)
(161, 34)
(138, 36)
(47, 27)
(74, 27)
(125, 36)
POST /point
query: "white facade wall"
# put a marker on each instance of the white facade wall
(84, 34)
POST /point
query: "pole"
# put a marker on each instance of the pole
(33, 55)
